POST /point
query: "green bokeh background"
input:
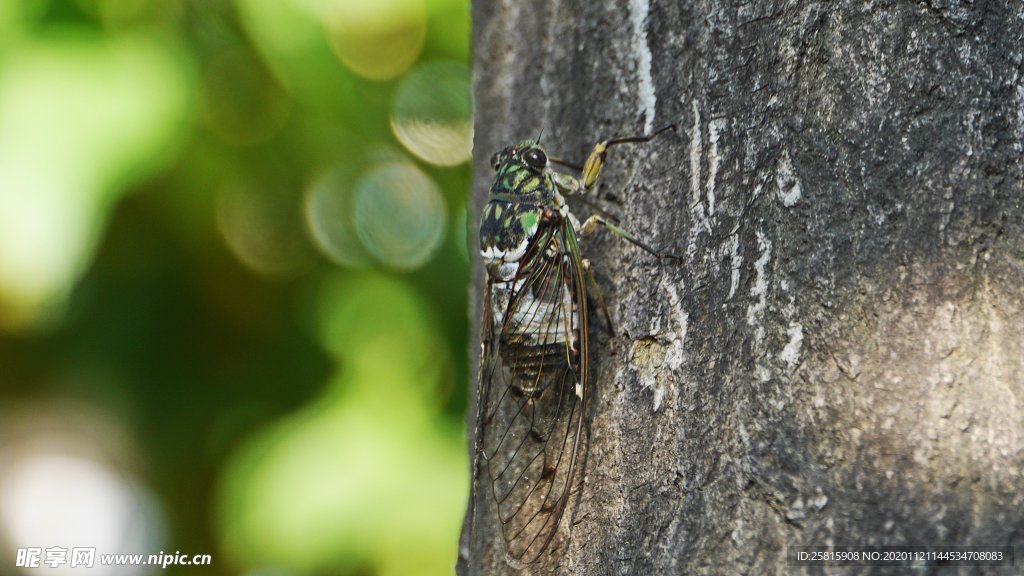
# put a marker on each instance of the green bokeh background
(233, 281)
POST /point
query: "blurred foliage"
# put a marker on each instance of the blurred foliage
(233, 281)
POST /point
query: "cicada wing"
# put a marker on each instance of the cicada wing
(533, 390)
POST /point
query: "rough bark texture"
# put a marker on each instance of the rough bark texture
(839, 358)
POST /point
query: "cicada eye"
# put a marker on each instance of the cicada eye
(535, 158)
(495, 162)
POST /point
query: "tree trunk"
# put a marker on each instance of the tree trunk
(838, 358)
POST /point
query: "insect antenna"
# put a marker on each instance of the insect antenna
(637, 139)
(566, 163)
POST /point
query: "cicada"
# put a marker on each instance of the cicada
(535, 360)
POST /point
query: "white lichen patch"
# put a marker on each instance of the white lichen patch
(755, 311)
(820, 501)
(715, 128)
(638, 12)
(791, 351)
(659, 395)
(695, 154)
(697, 209)
(788, 182)
(759, 291)
(674, 355)
(735, 262)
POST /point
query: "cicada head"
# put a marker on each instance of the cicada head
(522, 170)
(522, 189)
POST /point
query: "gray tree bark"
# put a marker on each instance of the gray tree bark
(838, 359)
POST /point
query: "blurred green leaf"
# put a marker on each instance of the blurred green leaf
(362, 473)
(80, 117)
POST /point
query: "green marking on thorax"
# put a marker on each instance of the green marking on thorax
(528, 220)
(518, 177)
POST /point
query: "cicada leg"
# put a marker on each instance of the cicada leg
(592, 167)
(596, 220)
(589, 174)
(598, 294)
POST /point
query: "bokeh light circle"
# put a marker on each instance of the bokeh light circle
(67, 480)
(329, 217)
(260, 224)
(432, 115)
(400, 215)
(377, 39)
